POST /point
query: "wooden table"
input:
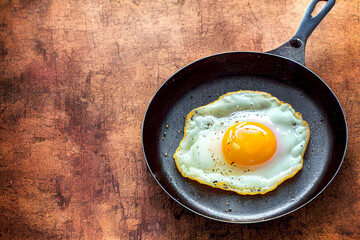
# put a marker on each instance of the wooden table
(76, 78)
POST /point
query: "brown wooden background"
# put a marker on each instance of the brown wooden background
(75, 80)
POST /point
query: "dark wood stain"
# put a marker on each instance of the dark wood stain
(40, 48)
(62, 200)
(3, 50)
(76, 78)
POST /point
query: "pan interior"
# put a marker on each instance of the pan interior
(203, 82)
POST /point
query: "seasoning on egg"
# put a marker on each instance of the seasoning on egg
(237, 143)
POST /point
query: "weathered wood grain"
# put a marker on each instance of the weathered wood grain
(75, 81)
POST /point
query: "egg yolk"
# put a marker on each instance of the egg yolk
(248, 144)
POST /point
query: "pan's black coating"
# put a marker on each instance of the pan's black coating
(203, 82)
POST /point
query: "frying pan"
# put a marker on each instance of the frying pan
(281, 73)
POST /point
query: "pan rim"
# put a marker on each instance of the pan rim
(258, 220)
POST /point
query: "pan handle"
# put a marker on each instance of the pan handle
(295, 47)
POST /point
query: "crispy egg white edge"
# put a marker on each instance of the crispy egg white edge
(245, 191)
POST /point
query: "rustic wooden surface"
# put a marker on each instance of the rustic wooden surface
(75, 80)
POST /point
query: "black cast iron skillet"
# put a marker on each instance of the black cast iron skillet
(281, 73)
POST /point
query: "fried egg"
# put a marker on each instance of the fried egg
(246, 141)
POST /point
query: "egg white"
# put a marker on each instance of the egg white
(199, 156)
